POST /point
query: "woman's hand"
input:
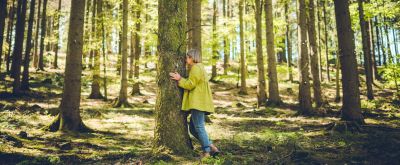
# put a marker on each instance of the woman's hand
(175, 76)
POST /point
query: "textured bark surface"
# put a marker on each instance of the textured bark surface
(214, 42)
(69, 118)
(122, 100)
(366, 44)
(37, 30)
(328, 75)
(171, 132)
(351, 108)
(261, 93)
(3, 13)
(314, 54)
(196, 25)
(18, 46)
(304, 64)
(288, 42)
(42, 36)
(243, 89)
(138, 50)
(57, 33)
(273, 88)
(28, 47)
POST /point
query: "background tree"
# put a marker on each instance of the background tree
(69, 118)
(351, 108)
(43, 35)
(28, 47)
(3, 14)
(261, 93)
(243, 89)
(138, 48)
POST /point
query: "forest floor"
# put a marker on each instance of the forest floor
(245, 134)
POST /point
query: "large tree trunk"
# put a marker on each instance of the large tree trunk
(57, 33)
(326, 40)
(351, 108)
(189, 24)
(138, 50)
(42, 37)
(314, 54)
(243, 89)
(69, 118)
(122, 100)
(367, 50)
(261, 93)
(304, 87)
(3, 13)
(171, 128)
(288, 42)
(18, 46)
(36, 44)
(25, 74)
(214, 42)
(196, 25)
(95, 93)
(273, 87)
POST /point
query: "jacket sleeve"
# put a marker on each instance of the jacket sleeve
(191, 82)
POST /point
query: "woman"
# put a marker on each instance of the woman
(197, 99)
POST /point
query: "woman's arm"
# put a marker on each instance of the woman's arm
(194, 78)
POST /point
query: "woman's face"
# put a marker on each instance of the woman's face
(189, 60)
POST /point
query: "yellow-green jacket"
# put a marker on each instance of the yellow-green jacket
(197, 93)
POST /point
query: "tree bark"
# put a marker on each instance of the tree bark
(37, 30)
(226, 42)
(196, 25)
(273, 87)
(261, 93)
(57, 33)
(42, 37)
(304, 87)
(314, 55)
(367, 50)
(326, 40)
(189, 23)
(95, 93)
(9, 35)
(243, 90)
(138, 49)
(171, 128)
(214, 42)
(351, 108)
(319, 40)
(69, 118)
(373, 53)
(86, 34)
(288, 42)
(122, 100)
(25, 74)
(378, 43)
(3, 13)
(18, 46)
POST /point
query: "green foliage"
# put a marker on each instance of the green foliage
(391, 73)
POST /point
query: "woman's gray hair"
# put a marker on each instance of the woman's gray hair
(195, 55)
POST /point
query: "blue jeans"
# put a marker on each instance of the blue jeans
(198, 130)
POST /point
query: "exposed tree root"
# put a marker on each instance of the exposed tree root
(56, 125)
(344, 126)
(121, 103)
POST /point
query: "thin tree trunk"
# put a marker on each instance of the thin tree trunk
(367, 50)
(171, 127)
(384, 50)
(87, 34)
(261, 93)
(25, 74)
(132, 56)
(69, 118)
(43, 35)
(37, 31)
(3, 14)
(373, 53)
(103, 48)
(389, 50)
(189, 23)
(57, 27)
(337, 97)
(395, 42)
(273, 87)
(304, 87)
(18, 46)
(351, 108)
(93, 37)
(138, 50)
(226, 42)
(214, 42)
(122, 100)
(378, 43)
(314, 55)
(326, 40)
(319, 40)
(9, 36)
(288, 42)
(95, 93)
(243, 90)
